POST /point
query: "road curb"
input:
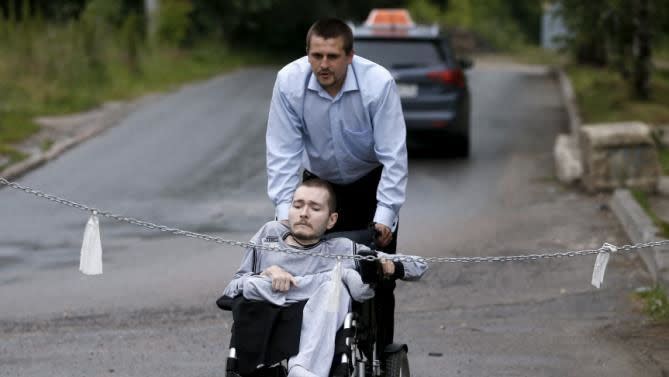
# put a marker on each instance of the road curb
(566, 152)
(569, 100)
(640, 229)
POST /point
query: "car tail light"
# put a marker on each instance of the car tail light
(449, 77)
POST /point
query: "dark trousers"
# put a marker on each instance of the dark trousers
(356, 205)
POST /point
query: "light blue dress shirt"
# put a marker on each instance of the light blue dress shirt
(339, 139)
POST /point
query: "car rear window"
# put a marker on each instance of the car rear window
(396, 54)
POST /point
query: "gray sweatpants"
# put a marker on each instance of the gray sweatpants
(319, 323)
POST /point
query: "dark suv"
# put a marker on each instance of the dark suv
(430, 80)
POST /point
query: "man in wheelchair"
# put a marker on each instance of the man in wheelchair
(276, 291)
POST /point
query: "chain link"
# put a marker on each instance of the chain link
(405, 258)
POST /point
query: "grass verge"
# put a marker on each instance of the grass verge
(603, 96)
(663, 154)
(60, 69)
(656, 303)
(642, 198)
(9, 156)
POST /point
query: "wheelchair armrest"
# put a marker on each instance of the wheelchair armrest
(225, 303)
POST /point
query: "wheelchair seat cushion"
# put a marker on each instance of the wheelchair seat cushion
(263, 333)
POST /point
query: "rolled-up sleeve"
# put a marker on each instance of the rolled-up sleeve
(284, 151)
(413, 267)
(390, 149)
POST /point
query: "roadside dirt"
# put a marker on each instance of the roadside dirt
(649, 339)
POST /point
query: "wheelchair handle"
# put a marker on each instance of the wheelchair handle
(362, 236)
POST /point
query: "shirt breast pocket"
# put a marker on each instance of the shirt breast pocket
(359, 143)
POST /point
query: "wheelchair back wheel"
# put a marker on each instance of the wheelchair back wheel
(397, 364)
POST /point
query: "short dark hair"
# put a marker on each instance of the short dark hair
(317, 182)
(328, 28)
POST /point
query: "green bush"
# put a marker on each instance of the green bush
(50, 67)
(656, 303)
(131, 42)
(643, 200)
(603, 96)
(103, 13)
(505, 26)
(174, 22)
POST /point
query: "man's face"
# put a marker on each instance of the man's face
(329, 62)
(309, 216)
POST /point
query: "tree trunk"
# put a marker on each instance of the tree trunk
(642, 51)
(592, 52)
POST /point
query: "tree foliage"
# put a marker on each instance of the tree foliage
(174, 22)
(618, 33)
(65, 10)
(502, 24)
(278, 24)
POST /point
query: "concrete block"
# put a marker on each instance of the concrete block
(567, 159)
(662, 134)
(662, 263)
(663, 185)
(616, 155)
(662, 259)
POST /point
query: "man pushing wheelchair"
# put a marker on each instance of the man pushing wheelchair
(337, 117)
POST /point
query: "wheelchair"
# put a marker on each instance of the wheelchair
(356, 351)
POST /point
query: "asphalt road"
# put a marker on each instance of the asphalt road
(195, 160)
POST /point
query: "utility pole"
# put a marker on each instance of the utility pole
(151, 9)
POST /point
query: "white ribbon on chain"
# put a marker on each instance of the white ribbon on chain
(90, 262)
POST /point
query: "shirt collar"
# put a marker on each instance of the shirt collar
(350, 83)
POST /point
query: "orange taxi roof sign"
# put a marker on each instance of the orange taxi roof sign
(389, 17)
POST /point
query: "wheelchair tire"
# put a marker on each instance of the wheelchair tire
(397, 364)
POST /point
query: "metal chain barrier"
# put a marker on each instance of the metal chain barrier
(406, 258)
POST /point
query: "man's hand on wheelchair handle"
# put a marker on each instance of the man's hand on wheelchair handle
(388, 267)
(281, 280)
(383, 234)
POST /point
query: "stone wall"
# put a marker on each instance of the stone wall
(618, 155)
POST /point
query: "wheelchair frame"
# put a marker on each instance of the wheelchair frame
(361, 357)
(356, 353)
